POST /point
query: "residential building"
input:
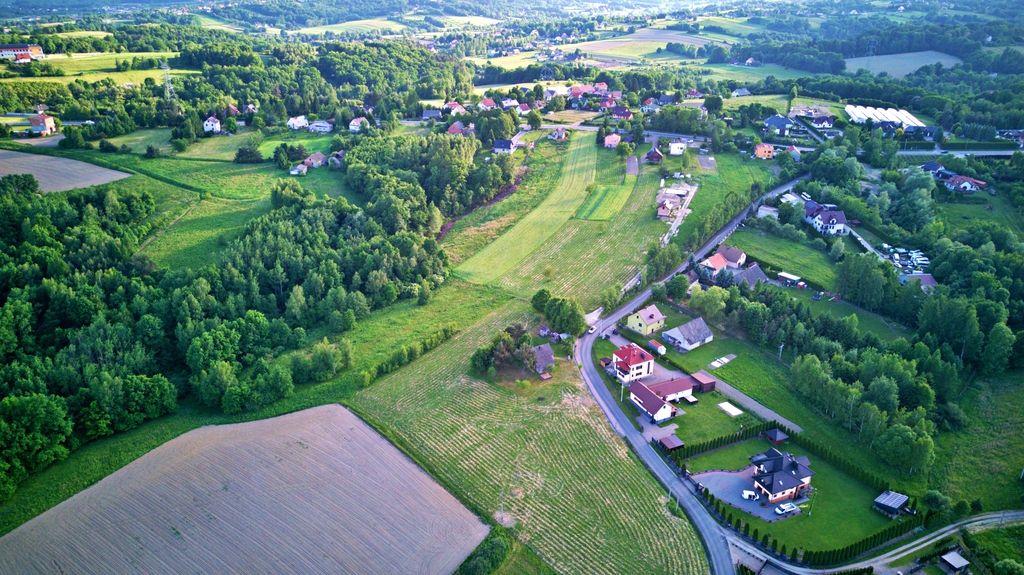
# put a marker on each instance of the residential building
(544, 358)
(523, 109)
(964, 184)
(631, 362)
(646, 321)
(778, 125)
(740, 93)
(654, 156)
(649, 106)
(694, 94)
(297, 123)
(674, 389)
(714, 265)
(315, 160)
(428, 115)
(504, 146)
(321, 127)
(656, 408)
(487, 104)
(689, 336)
(232, 110)
(14, 51)
(455, 108)
(764, 151)
(612, 141)
(781, 476)
(358, 125)
(826, 219)
(44, 125)
(509, 103)
(668, 207)
(751, 276)
(927, 281)
(621, 113)
(734, 257)
(667, 99)
(823, 122)
(251, 108)
(211, 125)
(459, 129)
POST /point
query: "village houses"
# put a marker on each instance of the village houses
(646, 321)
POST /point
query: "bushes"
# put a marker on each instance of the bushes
(489, 554)
(407, 353)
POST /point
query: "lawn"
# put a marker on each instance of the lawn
(884, 328)
(984, 460)
(777, 254)
(777, 101)
(839, 513)
(1005, 543)
(354, 27)
(198, 237)
(542, 222)
(139, 140)
(705, 421)
(728, 184)
(513, 61)
(899, 65)
(551, 466)
(216, 24)
(610, 191)
(733, 26)
(95, 67)
(373, 340)
(996, 208)
(84, 34)
(742, 73)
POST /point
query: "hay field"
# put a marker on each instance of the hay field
(900, 65)
(216, 24)
(546, 462)
(98, 66)
(84, 34)
(354, 27)
(56, 174)
(312, 491)
(541, 223)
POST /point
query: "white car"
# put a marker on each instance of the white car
(785, 508)
(750, 495)
(592, 329)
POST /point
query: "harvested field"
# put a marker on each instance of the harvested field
(315, 491)
(56, 174)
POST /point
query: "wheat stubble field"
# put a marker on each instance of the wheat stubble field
(316, 491)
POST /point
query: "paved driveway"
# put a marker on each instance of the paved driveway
(729, 486)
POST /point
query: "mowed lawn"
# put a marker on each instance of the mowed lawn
(139, 140)
(840, 511)
(354, 27)
(610, 191)
(705, 421)
(742, 73)
(542, 222)
(551, 466)
(728, 184)
(781, 255)
(899, 65)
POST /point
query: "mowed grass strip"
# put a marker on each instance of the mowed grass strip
(612, 190)
(551, 465)
(199, 236)
(781, 254)
(540, 224)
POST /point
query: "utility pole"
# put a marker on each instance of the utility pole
(781, 346)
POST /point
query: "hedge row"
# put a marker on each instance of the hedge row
(679, 455)
(825, 452)
(408, 353)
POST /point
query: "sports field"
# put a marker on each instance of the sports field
(541, 223)
(354, 27)
(237, 498)
(56, 174)
(899, 65)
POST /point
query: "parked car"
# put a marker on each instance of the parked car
(592, 329)
(785, 508)
(750, 495)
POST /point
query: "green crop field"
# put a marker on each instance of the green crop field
(839, 513)
(899, 65)
(884, 328)
(730, 182)
(609, 193)
(551, 466)
(741, 73)
(354, 27)
(95, 67)
(782, 255)
(542, 222)
(217, 24)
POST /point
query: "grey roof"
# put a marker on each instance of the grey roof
(782, 471)
(650, 315)
(955, 560)
(503, 144)
(544, 357)
(892, 500)
(778, 121)
(776, 434)
(693, 331)
(428, 114)
(751, 276)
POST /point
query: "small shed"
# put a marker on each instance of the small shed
(776, 436)
(670, 442)
(890, 503)
(954, 562)
(656, 347)
(706, 381)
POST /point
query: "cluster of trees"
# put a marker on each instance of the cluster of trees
(563, 315)
(799, 55)
(386, 67)
(511, 347)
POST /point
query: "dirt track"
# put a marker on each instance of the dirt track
(56, 174)
(317, 491)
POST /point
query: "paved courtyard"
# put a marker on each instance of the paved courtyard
(729, 486)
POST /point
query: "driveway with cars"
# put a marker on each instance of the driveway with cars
(729, 486)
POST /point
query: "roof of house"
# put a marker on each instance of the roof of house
(732, 254)
(955, 560)
(716, 262)
(650, 315)
(489, 102)
(648, 101)
(782, 471)
(210, 119)
(503, 144)
(751, 276)
(316, 157)
(776, 434)
(927, 280)
(454, 106)
(631, 354)
(704, 377)
(762, 146)
(671, 442)
(831, 216)
(621, 111)
(428, 114)
(778, 121)
(612, 139)
(673, 386)
(931, 166)
(655, 153)
(40, 119)
(891, 499)
(648, 399)
(456, 128)
(358, 121)
(693, 331)
(957, 180)
(544, 357)
(741, 92)
(667, 99)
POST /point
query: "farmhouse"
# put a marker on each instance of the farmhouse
(764, 151)
(315, 160)
(826, 219)
(321, 127)
(504, 146)
(358, 125)
(654, 156)
(428, 115)
(751, 276)
(690, 335)
(655, 407)
(612, 141)
(740, 93)
(778, 125)
(964, 184)
(44, 125)
(543, 358)
(630, 363)
(890, 503)
(298, 123)
(646, 321)
(674, 389)
(211, 125)
(16, 51)
(734, 257)
(781, 476)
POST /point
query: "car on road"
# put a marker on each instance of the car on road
(592, 329)
(785, 508)
(750, 495)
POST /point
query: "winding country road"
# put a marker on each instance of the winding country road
(719, 541)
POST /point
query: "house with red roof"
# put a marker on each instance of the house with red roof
(734, 257)
(655, 407)
(694, 93)
(44, 125)
(965, 184)
(612, 141)
(674, 389)
(600, 87)
(524, 109)
(649, 106)
(632, 362)
(487, 104)
(714, 264)
(455, 108)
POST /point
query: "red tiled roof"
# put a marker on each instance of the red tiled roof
(716, 262)
(631, 354)
(703, 377)
(648, 399)
(674, 385)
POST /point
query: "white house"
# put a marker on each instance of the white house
(321, 127)
(690, 335)
(674, 389)
(676, 148)
(825, 219)
(631, 362)
(297, 123)
(211, 125)
(655, 407)
(358, 125)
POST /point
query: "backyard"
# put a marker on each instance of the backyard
(777, 254)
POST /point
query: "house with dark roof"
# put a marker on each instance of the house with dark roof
(631, 362)
(778, 125)
(931, 167)
(826, 219)
(656, 408)
(734, 257)
(431, 115)
(751, 276)
(622, 113)
(654, 156)
(646, 321)
(504, 146)
(690, 335)
(674, 389)
(780, 476)
(666, 99)
(823, 122)
(543, 358)
(953, 562)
